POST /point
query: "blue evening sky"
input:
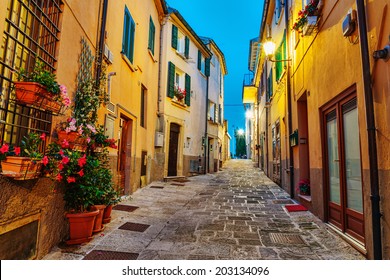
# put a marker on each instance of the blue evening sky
(231, 24)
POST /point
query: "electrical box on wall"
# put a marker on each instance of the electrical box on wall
(349, 23)
(159, 139)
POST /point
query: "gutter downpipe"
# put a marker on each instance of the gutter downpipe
(206, 140)
(371, 132)
(288, 84)
(101, 42)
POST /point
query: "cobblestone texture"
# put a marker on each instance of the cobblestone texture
(237, 213)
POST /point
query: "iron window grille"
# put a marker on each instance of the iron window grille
(31, 31)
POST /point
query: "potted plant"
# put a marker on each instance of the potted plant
(304, 187)
(179, 93)
(99, 141)
(40, 88)
(74, 136)
(24, 162)
(307, 18)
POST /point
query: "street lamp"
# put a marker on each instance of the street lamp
(240, 132)
(269, 50)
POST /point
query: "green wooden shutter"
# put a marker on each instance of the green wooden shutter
(174, 36)
(207, 67)
(171, 80)
(269, 86)
(199, 60)
(132, 39)
(280, 55)
(187, 47)
(126, 28)
(188, 90)
(152, 32)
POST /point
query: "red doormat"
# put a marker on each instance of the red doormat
(295, 208)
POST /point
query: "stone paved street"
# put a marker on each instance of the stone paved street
(237, 213)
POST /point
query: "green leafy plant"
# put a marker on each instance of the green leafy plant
(47, 79)
(29, 147)
(310, 9)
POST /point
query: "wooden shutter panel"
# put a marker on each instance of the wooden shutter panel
(187, 47)
(174, 36)
(152, 32)
(126, 28)
(132, 39)
(207, 67)
(199, 60)
(171, 80)
(188, 90)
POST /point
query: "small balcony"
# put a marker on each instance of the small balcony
(249, 90)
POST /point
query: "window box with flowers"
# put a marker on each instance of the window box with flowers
(179, 94)
(24, 162)
(41, 90)
(308, 18)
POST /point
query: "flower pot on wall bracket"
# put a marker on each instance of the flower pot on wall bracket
(74, 139)
(310, 25)
(29, 93)
(21, 168)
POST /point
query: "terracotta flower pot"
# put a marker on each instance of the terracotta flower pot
(107, 214)
(76, 142)
(81, 226)
(20, 168)
(29, 92)
(98, 225)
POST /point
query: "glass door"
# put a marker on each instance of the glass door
(343, 168)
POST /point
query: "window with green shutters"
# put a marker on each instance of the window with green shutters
(280, 54)
(188, 90)
(175, 34)
(128, 36)
(199, 60)
(207, 67)
(269, 86)
(187, 47)
(152, 34)
(171, 80)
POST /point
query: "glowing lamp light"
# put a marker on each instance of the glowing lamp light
(249, 114)
(240, 131)
(269, 48)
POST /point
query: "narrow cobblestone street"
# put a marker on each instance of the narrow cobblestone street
(237, 213)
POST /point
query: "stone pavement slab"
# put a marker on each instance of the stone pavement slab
(237, 213)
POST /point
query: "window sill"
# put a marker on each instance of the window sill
(128, 62)
(152, 56)
(179, 104)
(306, 198)
(181, 55)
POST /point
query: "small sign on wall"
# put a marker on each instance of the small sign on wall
(294, 138)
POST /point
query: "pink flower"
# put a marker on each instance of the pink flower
(61, 152)
(4, 149)
(88, 140)
(65, 144)
(80, 129)
(17, 151)
(65, 160)
(71, 179)
(81, 173)
(45, 160)
(43, 136)
(82, 161)
(59, 177)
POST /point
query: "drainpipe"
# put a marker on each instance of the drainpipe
(371, 132)
(101, 42)
(206, 140)
(163, 22)
(288, 84)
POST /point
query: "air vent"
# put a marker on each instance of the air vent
(108, 54)
(111, 107)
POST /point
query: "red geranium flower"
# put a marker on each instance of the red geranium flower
(43, 136)
(82, 161)
(71, 179)
(65, 160)
(81, 173)
(45, 160)
(59, 177)
(17, 151)
(4, 149)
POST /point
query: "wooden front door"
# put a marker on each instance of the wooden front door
(173, 149)
(343, 167)
(125, 154)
